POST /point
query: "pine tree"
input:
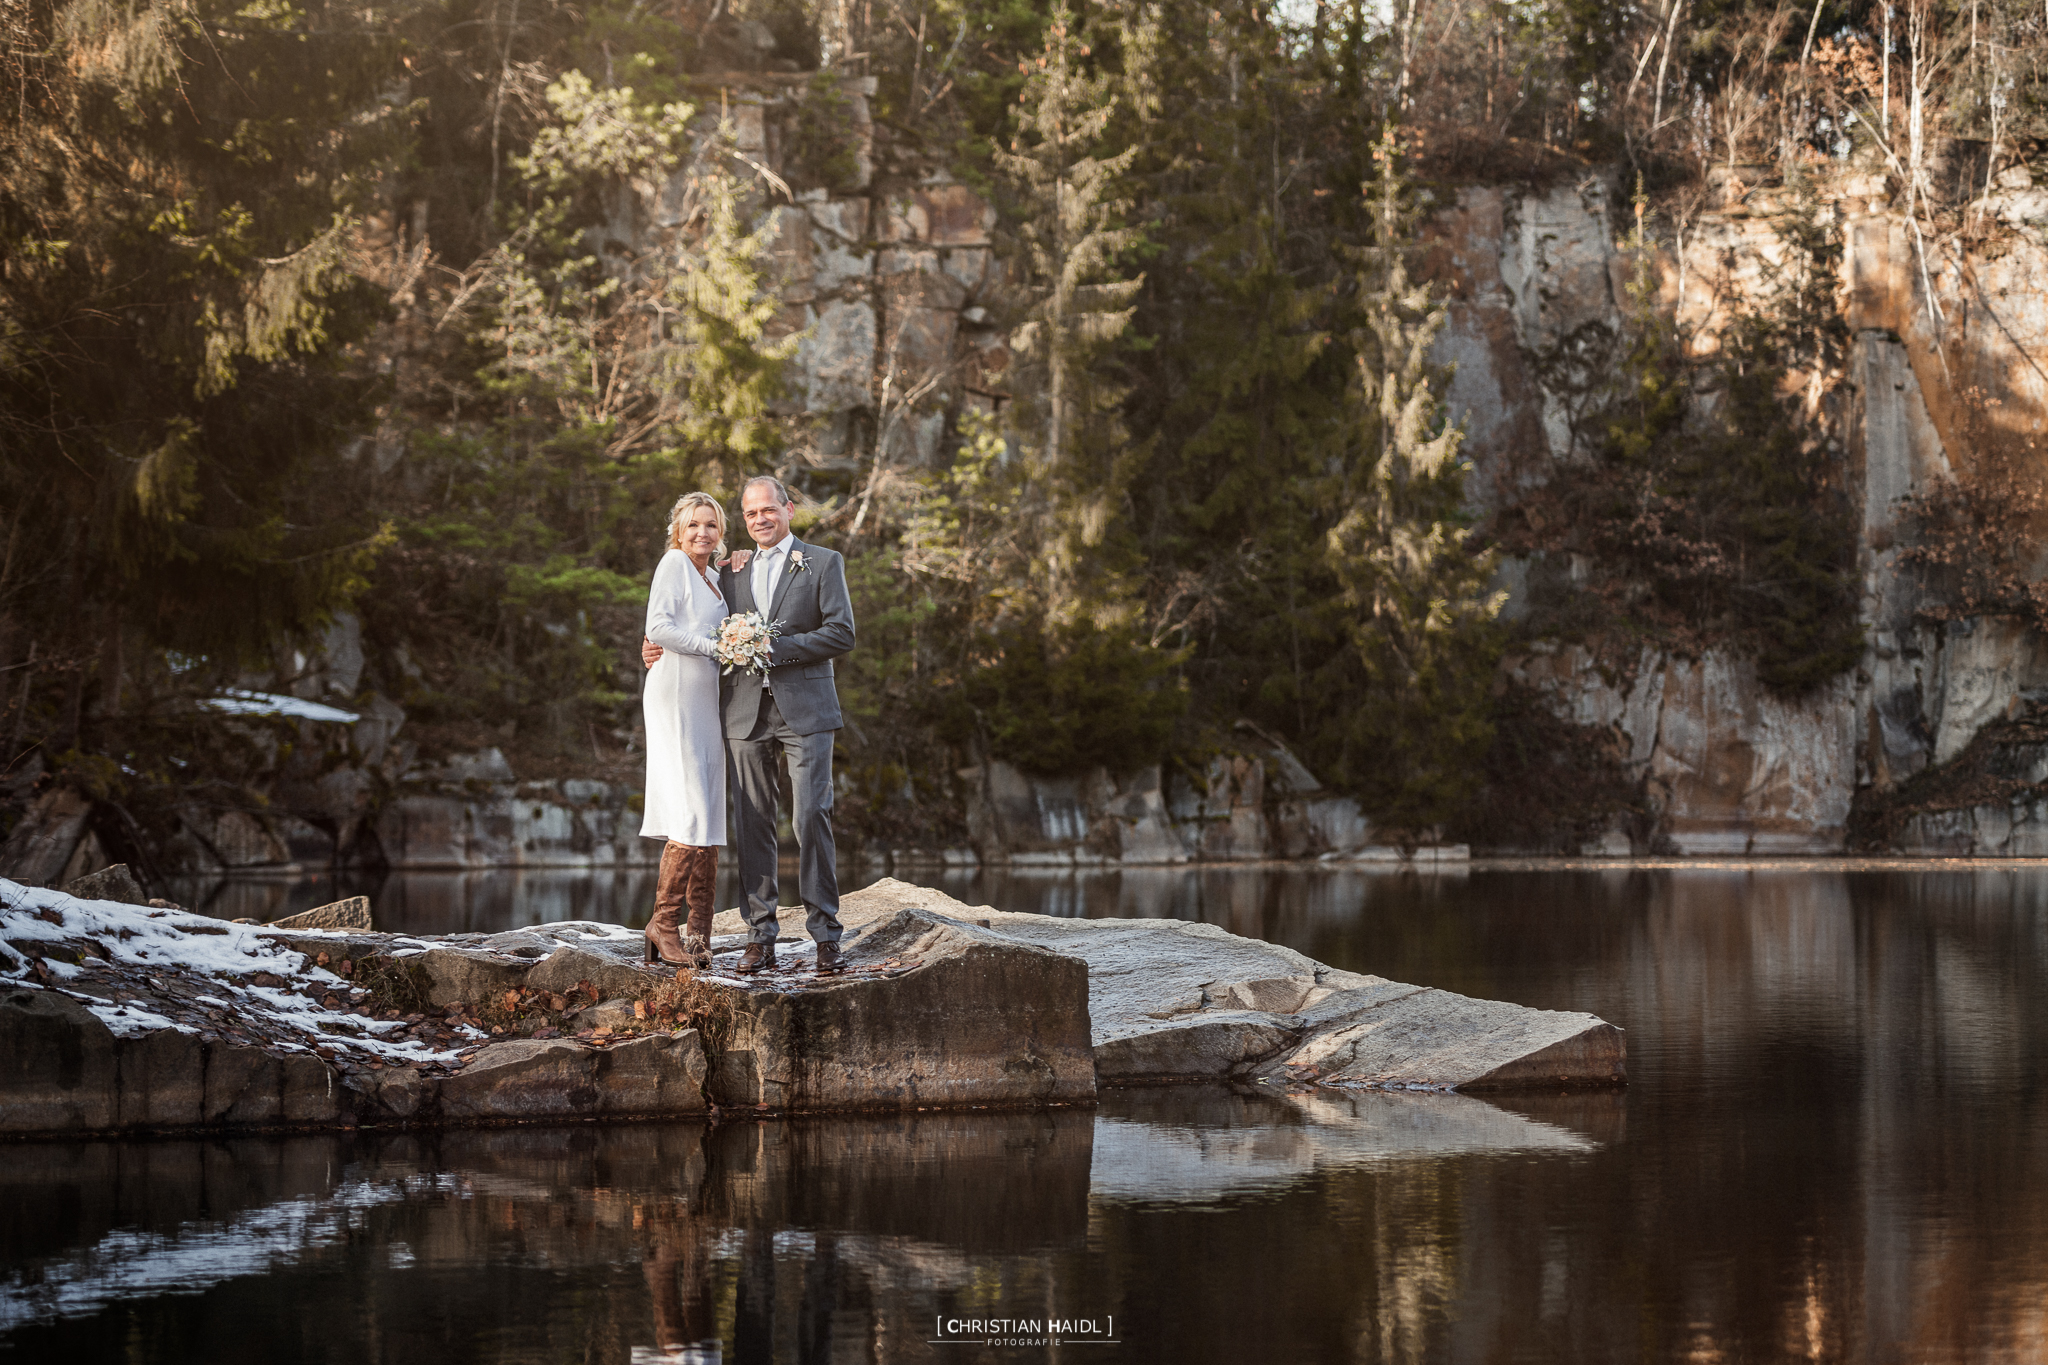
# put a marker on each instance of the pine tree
(1422, 613)
(1243, 390)
(615, 385)
(1071, 207)
(179, 188)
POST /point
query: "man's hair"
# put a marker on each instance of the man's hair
(781, 490)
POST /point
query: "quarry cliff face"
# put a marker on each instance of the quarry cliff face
(1941, 384)
(897, 287)
(896, 284)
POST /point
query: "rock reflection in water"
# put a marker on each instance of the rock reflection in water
(752, 1241)
(1835, 1148)
(796, 1240)
(1185, 1145)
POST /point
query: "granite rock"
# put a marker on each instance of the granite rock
(565, 968)
(461, 977)
(63, 1070)
(42, 842)
(974, 1017)
(1170, 1000)
(353, 913)
(658, 1074)
(114, 883)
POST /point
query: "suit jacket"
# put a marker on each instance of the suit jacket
(817, 627)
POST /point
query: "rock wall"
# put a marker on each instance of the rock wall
(1251, 802)
(890, 279)
(1731, 767)
(1727, 766)
(895, 285)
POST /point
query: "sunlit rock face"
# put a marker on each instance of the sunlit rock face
(1939, 385)
(1735, 768)
(972, 1017)
(1172, 1001)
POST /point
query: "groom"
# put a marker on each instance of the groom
(793, 712)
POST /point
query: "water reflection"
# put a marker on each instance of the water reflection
(789, 1241)
(441, 902)
(1834, 1147)
(1199, 1146)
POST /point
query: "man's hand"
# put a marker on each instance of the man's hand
(650, 652)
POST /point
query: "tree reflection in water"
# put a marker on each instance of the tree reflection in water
(1835, 1147)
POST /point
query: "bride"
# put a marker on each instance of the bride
(685, 732)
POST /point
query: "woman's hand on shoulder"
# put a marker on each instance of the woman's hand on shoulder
(737, 560)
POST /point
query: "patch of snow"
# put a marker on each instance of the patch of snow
(199, 946)
(239, 703)
(128, 1021)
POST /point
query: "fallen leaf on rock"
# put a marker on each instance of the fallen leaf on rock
(50, 916)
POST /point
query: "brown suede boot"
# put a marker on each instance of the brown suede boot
(670, 886)
(703, 886)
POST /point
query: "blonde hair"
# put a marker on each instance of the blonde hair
(681, 510)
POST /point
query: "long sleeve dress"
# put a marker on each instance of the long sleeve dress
(685, 732)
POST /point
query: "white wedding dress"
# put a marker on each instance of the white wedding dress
(685, 731)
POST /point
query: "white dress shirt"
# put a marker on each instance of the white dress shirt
(767, 571)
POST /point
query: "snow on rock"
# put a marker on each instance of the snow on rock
(118, 1018)
(139, 970)
(238, 703)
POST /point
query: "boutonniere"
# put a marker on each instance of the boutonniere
(797, 562)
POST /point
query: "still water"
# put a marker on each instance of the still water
(1834, 1148)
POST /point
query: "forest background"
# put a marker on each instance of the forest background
(317, 308)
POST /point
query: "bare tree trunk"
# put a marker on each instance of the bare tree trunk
(1407, 53)
(498, 101)
(1670, 27)
(1885, 58)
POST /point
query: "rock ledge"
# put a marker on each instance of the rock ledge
(117, 1018)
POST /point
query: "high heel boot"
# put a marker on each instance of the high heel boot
(702, 886)
(670, 887)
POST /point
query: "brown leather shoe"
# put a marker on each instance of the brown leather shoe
(759, 957)
(830, 960)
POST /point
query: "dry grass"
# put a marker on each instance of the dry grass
(686, 1003)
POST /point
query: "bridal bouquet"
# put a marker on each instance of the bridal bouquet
(744, 640)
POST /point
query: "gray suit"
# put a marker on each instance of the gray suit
(795, 715)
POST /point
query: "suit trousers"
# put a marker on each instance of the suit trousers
(753, 783)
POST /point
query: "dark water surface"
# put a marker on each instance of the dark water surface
(1834, 1148)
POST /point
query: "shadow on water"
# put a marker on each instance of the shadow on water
(1834, 1147)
